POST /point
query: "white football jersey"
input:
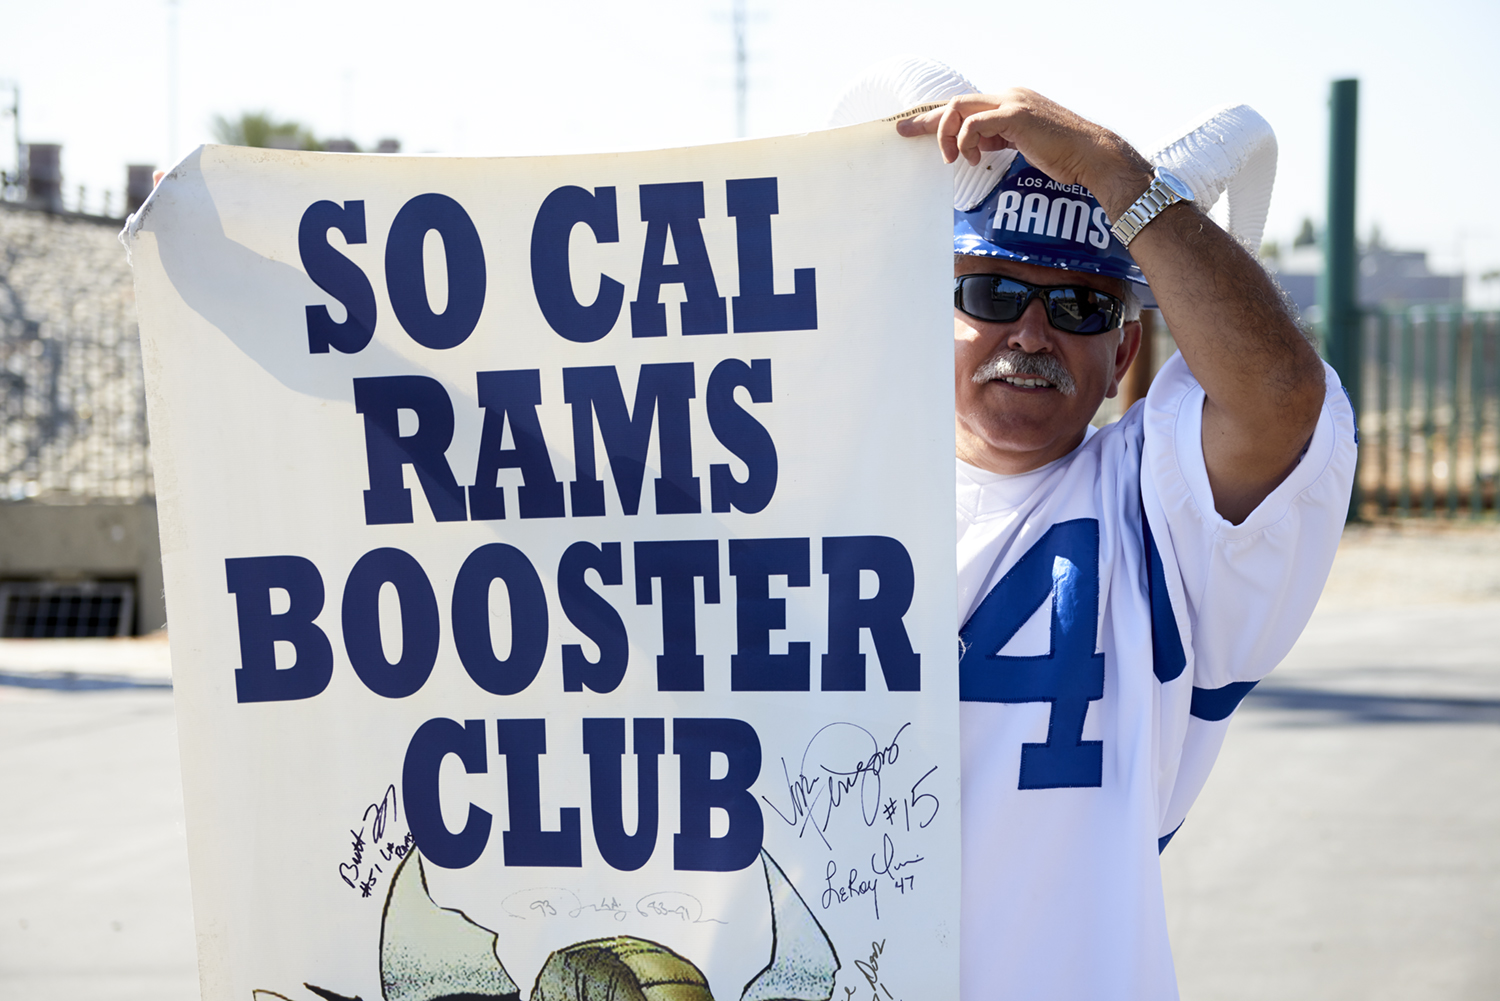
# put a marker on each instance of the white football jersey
(1110, 622)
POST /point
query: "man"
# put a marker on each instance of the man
(1119, 590)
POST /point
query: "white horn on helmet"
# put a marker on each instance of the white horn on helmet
(906, 82)
(1227, 150)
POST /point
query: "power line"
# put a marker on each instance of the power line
(15, 117)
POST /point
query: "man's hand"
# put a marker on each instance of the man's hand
(1264, 381)
(1065, 147)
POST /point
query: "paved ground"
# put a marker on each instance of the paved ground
(94, 897)
(1348, 843)
(1347, 846)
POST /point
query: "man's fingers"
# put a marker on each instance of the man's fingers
(949, 126)
(966, 126)
(924, 124)
(981, 133)
(967, 141)
(157, 176)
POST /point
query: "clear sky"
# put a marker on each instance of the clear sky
(507, 78)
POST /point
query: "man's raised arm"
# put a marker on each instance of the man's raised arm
(1263, 379)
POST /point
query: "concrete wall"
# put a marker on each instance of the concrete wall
(51, 541)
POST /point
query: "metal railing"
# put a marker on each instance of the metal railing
(1429, 414)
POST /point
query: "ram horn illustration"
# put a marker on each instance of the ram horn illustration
(429, 952)
(803, 961)
(617, 969)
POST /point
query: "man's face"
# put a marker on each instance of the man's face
(1007, 427)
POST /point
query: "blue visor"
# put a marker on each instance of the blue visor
(1031, 218)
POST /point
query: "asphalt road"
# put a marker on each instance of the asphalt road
(1348, 843)
(94, 900)
(1347, 846)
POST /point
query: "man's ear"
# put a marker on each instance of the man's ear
(1125, 352)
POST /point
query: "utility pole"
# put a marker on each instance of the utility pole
(741, 81)
(171, 83)
(1337, 292)
(18, 178)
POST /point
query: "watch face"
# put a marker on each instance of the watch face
(1178, 186)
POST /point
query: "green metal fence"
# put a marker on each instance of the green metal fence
(1429, 414)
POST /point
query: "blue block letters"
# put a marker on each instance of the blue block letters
(1063, 567)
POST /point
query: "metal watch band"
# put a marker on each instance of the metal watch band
(1145, 208)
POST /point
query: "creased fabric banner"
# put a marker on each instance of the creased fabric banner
(559, 569)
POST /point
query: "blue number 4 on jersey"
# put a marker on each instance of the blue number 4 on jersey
(1062, 566)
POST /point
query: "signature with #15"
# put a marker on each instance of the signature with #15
(844, 763)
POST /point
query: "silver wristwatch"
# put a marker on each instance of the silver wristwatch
(1166, 189)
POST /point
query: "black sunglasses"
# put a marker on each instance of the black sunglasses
(1076, 309)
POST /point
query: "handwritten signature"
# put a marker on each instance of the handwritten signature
(671, 904)
(553, 902)
(887, 865)
(820, 789)
(384, 811)
(848, 889)
(870, 968)
(851, 885)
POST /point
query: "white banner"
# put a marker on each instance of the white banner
(559, 569)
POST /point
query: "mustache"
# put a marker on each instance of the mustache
(1013, 362)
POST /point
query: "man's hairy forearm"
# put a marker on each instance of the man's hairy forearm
(1224, 311)
(1226, 314)
(1231, 322)
(1263, 379)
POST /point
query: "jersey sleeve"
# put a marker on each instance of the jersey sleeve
(1241, 594)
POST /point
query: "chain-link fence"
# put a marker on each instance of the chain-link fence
(71, 387)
